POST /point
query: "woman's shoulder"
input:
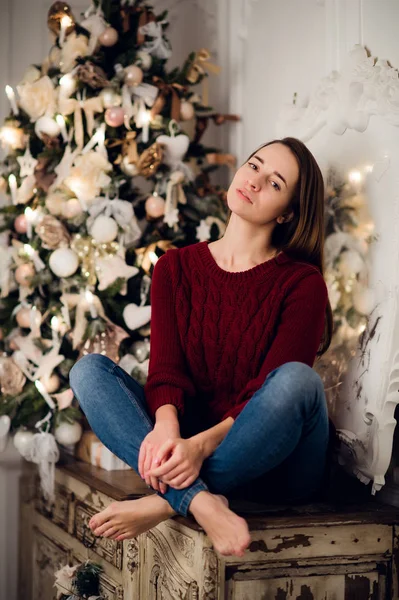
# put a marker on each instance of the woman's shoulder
(300, 272)
(177, 258)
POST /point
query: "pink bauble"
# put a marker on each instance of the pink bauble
(155, 206)
(24, 273)
(109, 37)
(115, 116)
(133, 75)
(20, 224)
(23, 317)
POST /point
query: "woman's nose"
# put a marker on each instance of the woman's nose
(253, 184)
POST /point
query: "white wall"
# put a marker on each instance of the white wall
(278, 47)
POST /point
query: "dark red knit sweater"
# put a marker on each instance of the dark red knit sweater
(216, 335)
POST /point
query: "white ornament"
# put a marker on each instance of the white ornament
(22, 441)
(111, 268)
(64, 262)
(48, 126)
(27, 163)
(364, 300)
(203, 231)
(128, 168)
(72, 208)
(175, 148)
(5, 424)
(351, 263)
(110, 97)
(136, 316)
(104, 229)
(172, 217)
(68, 434)
(186, 111)
(144, 60)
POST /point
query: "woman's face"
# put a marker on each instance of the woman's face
(263, 187)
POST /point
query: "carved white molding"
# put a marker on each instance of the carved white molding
(345, 100)
(364, 98)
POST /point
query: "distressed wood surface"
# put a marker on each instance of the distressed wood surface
(315, 552)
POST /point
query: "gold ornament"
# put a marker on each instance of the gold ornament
(52, 233)
(106, 343)
(88, 251)
(198, 69)
(218, 158)
(149, 160)
(146, 255)
(56, 12)
(12, 379)
(129, 148)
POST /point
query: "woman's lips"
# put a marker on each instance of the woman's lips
(244, 197)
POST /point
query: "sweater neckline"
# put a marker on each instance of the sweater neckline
(256, 272)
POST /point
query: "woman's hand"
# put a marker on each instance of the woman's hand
(180, 462)
(163, 432)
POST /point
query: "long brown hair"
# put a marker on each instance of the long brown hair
(302, 238)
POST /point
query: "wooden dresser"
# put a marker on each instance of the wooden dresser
(316, 552)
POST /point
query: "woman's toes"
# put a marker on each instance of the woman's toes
(103, 528)
(111, 532)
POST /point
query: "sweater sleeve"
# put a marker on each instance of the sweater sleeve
(298, 334)
(167, 380)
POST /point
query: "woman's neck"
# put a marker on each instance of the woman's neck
(242, 245)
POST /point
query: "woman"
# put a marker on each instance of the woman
(231, 401)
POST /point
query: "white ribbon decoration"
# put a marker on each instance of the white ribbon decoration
(80, 302)
(33, 365)
(158, 47)
(44, 452)
(95, 23)
(143, 94)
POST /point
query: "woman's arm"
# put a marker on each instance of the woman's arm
(210, 439)
(167, 415)
(168, 379)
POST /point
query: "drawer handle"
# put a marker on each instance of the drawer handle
(86, 542)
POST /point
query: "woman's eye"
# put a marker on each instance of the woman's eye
(276, 186)
(253, 166)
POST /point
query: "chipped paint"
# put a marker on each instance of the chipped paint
(360, 586)
(293, 541)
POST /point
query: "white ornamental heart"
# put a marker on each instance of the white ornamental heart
(5, 424)
(175, 148)
(136, 316)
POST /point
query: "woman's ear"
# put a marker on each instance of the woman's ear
(285, 218)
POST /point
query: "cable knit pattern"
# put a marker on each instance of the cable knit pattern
(216, 335)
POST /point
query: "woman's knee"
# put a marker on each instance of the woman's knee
(302, 377)
(297, 385)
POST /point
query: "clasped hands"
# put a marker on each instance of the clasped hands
(167, 459)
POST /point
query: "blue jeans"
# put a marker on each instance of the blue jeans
(278, 442)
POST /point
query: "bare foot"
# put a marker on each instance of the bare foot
(228, 532)
(127, 519)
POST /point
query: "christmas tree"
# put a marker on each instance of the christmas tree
(104, 171)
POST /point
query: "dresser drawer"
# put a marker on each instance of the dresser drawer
(109, 550)
(320, 542)
(61, 511)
